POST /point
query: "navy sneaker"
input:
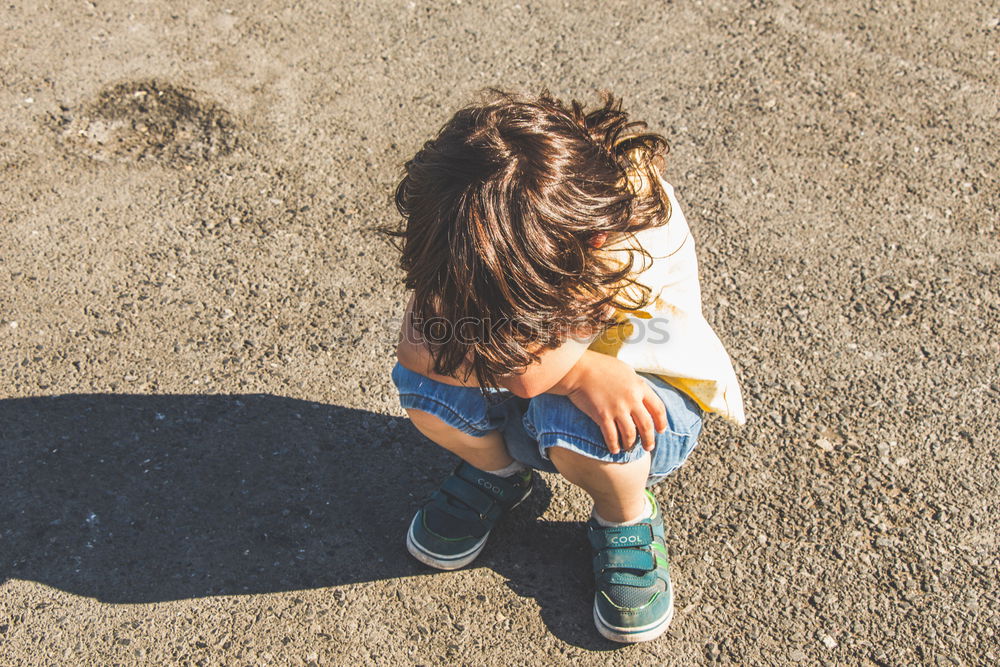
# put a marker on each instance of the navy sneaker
(451, 529)
(634, 601)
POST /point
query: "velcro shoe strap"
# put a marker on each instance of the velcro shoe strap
(497, 488)
(639, 535)
(461, 490)
(624, 559)
(625, 578)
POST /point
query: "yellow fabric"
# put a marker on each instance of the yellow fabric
(670, 337)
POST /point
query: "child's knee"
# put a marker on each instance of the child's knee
(430, 401)
(554, 421)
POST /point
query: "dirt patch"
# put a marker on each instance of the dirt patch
(147, 122)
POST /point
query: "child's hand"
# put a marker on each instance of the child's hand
(620, 402)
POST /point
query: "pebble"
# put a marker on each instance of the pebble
(797, 656)
(829, 642)
(825, 445)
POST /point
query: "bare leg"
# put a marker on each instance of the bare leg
(488, 452)
(617, 488)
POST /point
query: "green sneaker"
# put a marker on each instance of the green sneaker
(634, 601)
(451, 529)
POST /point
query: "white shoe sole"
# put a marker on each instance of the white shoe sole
(436, 560)
(633, 635)
(454, 562)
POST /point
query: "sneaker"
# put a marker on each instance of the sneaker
(634, 600)
(451, 529)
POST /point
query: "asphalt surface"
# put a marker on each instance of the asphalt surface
(203, 458)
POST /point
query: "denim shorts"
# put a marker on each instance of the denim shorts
(531, 426)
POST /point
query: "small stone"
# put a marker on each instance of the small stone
(762, 538)
(796, 656)
(828, 642)
(825, 445)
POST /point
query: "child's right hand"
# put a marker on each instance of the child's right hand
(619, 401)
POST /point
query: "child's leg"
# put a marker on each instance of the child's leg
(617, 488)
(456, 418)
(486, 452)
(451, 529)
(574, 443)
(633, 600)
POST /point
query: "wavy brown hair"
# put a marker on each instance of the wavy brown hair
(502, 211)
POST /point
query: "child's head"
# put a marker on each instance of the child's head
(506, 210)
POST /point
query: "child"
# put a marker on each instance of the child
(555, 324)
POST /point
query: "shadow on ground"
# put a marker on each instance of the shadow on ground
(137, 499)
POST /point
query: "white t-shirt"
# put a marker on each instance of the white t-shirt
(670, 337)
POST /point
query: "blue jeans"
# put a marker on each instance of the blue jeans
(531, 426)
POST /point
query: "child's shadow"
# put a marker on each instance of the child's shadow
(129, 498)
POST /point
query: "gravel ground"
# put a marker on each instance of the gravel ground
(204, 461)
